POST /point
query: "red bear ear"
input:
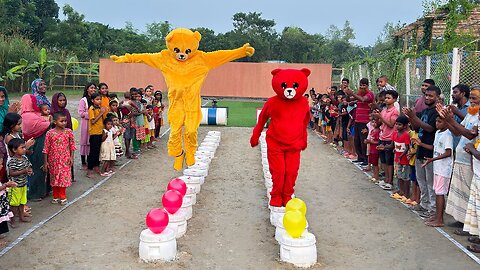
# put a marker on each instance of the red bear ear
(275, 71)
(306, 71)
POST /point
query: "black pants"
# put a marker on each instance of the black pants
(93, 158)
(4, 227)
(359, 141)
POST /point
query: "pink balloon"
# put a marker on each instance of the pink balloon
(172, 201)
(157, 220)
(178, 185)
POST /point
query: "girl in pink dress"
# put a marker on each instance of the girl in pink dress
(58, 157)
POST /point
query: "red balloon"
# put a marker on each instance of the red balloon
(157, 220)
(178, 185)
(172, 201)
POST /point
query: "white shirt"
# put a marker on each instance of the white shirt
(476, 165)
(461, 156)
(443, 141)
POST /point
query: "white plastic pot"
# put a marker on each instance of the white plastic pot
(157, 247)
(301, 252)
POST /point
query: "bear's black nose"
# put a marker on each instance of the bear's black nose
(289, 91)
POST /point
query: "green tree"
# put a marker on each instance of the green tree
(259, 32)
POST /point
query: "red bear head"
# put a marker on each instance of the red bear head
(290, 84)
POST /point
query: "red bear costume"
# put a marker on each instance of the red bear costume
(287, 134)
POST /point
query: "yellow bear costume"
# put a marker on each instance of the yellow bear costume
(185, 69)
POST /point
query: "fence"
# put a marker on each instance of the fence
(446, 70)
(74, 75)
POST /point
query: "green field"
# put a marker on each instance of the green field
(240, 113)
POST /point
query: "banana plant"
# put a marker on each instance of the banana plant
(67, 67)
(43, 65)
(19, 70)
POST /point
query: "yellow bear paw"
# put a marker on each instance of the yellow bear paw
(249, 50)
(190, 160)
(178, 162)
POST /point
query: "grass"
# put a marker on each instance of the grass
(241, 113)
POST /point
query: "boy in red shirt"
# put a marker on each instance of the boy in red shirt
(401, 141)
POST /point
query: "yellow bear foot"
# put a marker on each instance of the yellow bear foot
(190, 160)
(178, 162)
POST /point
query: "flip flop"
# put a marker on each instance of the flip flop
(474, 240)
(474, 248)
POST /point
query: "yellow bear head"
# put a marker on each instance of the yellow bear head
(182, 43)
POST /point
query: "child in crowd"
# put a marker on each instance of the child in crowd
(372, 141)
(442, 169)
(59, 104)
(415, 194)
(401, 141)
(351, 110)
(19, 168)
(113, 104)
(45, 112)
(5, 213)
(96, 116)
(58, 153)
(158, 112)
(126, 121)
(151, 126)
(387, 116)
(316, 115)
(148, 96)
(146, 141)
(328, 119)
(343, 122)
(107, 153)
(369, 130)
(117, 128)
(136, 112)
(105, 100)
(12, 128)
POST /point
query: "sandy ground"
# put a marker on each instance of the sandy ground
(356, 224)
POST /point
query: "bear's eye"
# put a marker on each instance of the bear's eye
(188, 51)
(295, 86)
(284, 85)
(176, 50)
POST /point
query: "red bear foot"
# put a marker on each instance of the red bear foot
(276, 201)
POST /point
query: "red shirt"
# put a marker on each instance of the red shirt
(375, 136)
(363, 108)
(401, 142)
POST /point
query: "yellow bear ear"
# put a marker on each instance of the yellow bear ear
(197, 35)
(169, 36)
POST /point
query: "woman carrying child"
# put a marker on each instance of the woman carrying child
(35, 126)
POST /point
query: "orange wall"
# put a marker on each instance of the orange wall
(233, 79)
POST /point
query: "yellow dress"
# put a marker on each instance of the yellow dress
(185, 69)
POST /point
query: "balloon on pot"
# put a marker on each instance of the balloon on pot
(74, 123)
(296, 204)
(172, 201)
(178, 185)
(157, 220)
(295, 223)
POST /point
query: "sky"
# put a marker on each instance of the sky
(367, 17)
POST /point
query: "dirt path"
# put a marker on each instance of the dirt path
(357, 226)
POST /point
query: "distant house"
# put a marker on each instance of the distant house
(426, 31)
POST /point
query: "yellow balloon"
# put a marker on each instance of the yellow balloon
(296, 204)
(294, 223)
(74, 123)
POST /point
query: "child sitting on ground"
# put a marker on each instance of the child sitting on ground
(19, 168)
(442, 169)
